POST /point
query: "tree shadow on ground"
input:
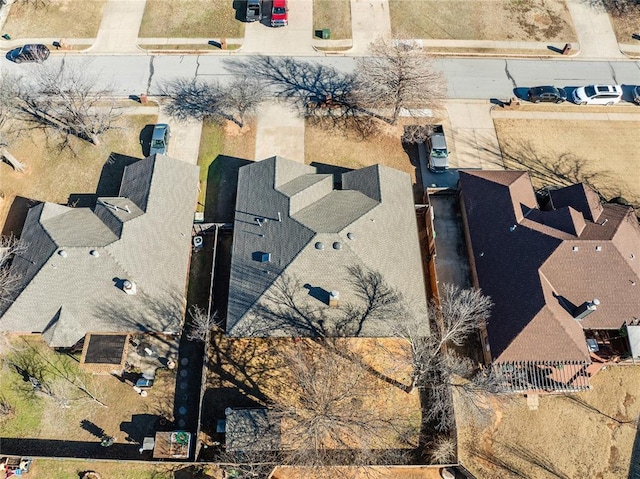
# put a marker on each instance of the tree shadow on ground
(222, 185)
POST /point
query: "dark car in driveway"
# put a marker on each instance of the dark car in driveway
(546, 94)
(33, 52)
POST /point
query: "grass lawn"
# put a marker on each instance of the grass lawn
(346, 149)
(69, 469)
(333, 14)
(602, 152)
(192, 19)
(53, 175)
(223, 149)
(37, 416)
(32, 19)
(591, 434)
(518, 20)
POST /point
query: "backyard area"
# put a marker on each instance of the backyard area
(518, 20)
(192, 19)
(334, 15)
(51, 19)
(69, 410)
(570, 151)
(592, 434)
(53, 174)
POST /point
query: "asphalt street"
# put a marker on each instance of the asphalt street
(467, 78)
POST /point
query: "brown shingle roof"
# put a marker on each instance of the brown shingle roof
(539, 265)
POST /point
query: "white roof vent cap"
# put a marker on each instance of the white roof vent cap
(62, 253)
(129, 287)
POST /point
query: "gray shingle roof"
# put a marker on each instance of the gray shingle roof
(252, 430)
(537, 264)
(76, 259)
(371, 221)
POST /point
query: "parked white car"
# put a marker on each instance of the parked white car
(597, 95)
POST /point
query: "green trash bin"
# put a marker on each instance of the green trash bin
(326, 33)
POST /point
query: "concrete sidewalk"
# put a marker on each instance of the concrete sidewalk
(118, 32)
(596, 36)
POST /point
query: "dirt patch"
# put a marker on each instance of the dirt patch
(517, 20)
(192, 19)
(601, 153)
(563, 438)
(51, 19)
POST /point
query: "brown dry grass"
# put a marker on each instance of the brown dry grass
(379, 472)
(53, 20)
(70, 469)
(333, 14)
(606, 149)
(53, 175)
(625, 25)
(517, 20)
(42, 418)
(192, 19)
(563, 438)
(254, 372)
(334, 146)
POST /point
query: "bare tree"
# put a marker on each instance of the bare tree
(9, 279)
(10, 90)
(398, 75)
(66, 102)
(194, 98)
(457, 315)
(201, 324)
(414, 134)
(328, 415)
(7, 411)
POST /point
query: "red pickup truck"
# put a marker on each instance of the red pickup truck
(279, 17)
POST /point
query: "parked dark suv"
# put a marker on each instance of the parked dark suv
(546, 93)
(33, 52)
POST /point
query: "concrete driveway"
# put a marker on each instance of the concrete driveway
(280, 132)
(473, 135)
(294, 39)
(185, 138)
(370, 19)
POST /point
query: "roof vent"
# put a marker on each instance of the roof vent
(319, 245)
(512, 228)
(334, 299)
(337, 245)
(62, 253)
(94, 253)
(265, 257)
(575, 248)
(351, 236)
(585, 309)
(129, 287)
(598, 248)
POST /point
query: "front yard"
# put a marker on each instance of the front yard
(334, 15)
(192, 19)
(516, 20)
(53, 175)
(51, 19)
(600, 152)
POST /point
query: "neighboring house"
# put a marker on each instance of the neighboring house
(120, 266)
(563, 273)
(252, 430)
(304, 247)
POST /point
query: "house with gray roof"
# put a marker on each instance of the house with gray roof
(562, 270)
(318, 255)
(120, 266)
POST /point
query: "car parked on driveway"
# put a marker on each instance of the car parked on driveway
(32, 52)
(547, 94)
(160, 139)
(597, 95)
(279, 15)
